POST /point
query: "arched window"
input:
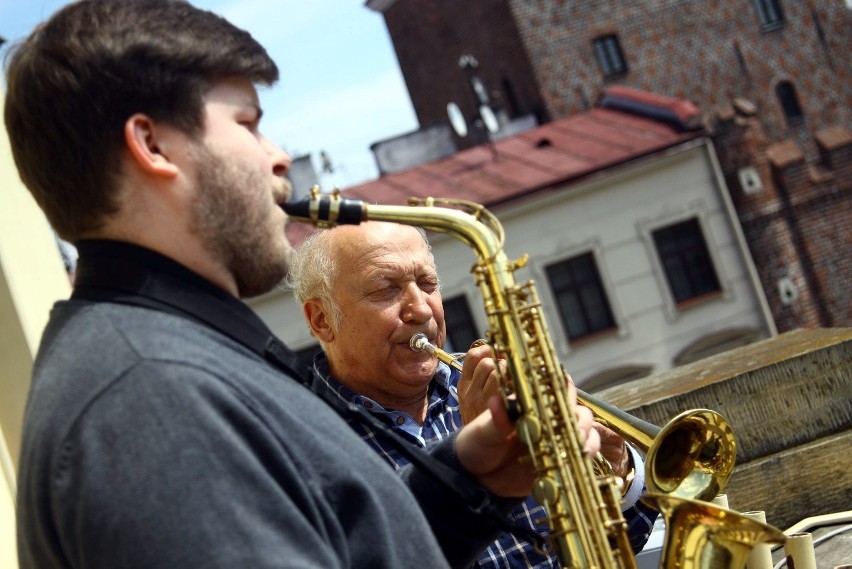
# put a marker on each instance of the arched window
(716, 343)
(789, 102)
(615, 376)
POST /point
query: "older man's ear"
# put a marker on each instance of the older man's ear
(318, 320)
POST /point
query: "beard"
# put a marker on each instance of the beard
(234, 215)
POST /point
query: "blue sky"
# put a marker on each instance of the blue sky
(340, 88)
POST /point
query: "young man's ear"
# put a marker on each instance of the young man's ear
(148, 143)
(318, 320)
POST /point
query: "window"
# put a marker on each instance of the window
(686, 261)
(789, 102)
(461, 330)
(609, 56)
(580, 296)
(771, 15)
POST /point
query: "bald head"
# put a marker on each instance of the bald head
(365, 290)
(316, 264)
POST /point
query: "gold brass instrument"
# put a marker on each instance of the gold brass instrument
(692, 456)
(700, 535)
(587, 528)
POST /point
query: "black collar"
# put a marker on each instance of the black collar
(114, 271)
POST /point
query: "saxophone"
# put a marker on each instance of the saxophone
(583, 510)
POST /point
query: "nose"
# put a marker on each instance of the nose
(281, 161)
(416, 308)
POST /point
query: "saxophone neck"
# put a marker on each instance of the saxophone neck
(466, 221)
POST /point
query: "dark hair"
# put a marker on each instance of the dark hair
(79, 76)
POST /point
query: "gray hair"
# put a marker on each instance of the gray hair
(313, 272)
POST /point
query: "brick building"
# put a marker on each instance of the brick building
(430, 39)
(772, 78)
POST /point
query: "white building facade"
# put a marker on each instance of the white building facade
(639, 268)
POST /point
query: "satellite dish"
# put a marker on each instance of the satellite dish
(457, 119)
(489, 118)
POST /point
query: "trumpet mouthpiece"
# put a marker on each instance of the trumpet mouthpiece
(418, 342)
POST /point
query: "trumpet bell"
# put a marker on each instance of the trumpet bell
(692, 456)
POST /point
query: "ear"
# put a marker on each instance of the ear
(148, 145)
(318, 320)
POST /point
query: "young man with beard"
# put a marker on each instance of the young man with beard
(164, 426)
(365, 290)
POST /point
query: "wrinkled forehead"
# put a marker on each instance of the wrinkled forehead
(376, 241)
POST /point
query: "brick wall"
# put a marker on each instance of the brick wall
(799, 225)
(707, 52)
(430, 36)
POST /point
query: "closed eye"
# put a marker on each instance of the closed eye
(251, 126)
(250, 119)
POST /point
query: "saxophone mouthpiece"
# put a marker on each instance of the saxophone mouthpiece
(327, 210)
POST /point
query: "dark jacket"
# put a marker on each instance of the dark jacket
(153, 439)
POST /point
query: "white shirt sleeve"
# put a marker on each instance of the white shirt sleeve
(635, 490)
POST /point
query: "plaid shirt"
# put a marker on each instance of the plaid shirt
(443, 418)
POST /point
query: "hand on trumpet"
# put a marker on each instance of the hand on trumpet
(614, 449)
(479, 382)
(481, 379)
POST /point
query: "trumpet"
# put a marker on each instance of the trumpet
(691, 457)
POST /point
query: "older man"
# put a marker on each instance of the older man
(365, 290)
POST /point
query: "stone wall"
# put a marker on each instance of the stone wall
(789, 402)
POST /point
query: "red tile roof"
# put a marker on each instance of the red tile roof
(550, 155)
(626, 125)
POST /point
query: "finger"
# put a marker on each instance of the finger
(472, 360)
(477, 353)
(500, 414)
(585, 422)
(488, 440)
(593, 443)
(608, 436)
(572, 390)
(585, 418)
